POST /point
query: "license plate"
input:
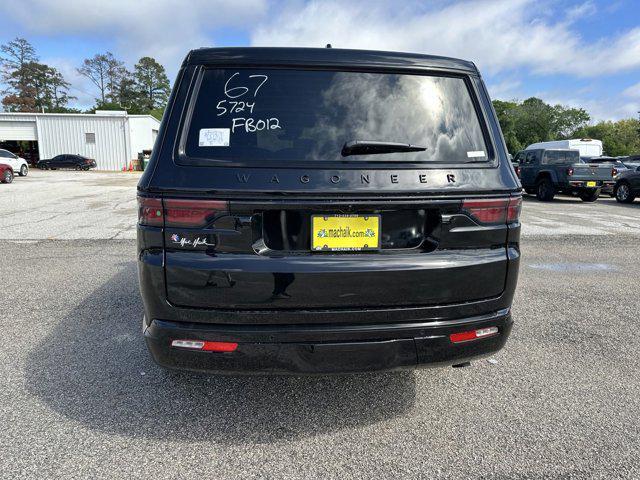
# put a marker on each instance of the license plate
(345, 232)
(591, 184)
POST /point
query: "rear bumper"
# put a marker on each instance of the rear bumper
(589, 184)
(282, 349)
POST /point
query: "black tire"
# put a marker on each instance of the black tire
(78, 168)
(7, 177)
(589, 195)
(622, 192)
(23, 171)
(530, 191)
(544, 190)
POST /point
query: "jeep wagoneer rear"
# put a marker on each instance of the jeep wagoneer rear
(323, 210)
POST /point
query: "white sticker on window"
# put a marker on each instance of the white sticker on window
(476, 153)
(214, 137)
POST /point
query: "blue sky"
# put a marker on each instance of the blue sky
(581, 53)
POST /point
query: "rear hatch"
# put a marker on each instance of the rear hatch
(316, 189)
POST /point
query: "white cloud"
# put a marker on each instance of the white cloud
(582, 10)
(164, 29)
(509, 88)
(633, 91)
(498, 35)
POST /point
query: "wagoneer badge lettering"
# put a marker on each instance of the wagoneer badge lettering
(365, 178)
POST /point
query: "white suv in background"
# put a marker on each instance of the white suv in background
(19, 164)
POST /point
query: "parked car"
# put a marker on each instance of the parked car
(18, 164)
(299, 227)
(627, 186)
(6, 173)
(75, 162)
(547, 172)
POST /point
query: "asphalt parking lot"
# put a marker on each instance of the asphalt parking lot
(80, 396)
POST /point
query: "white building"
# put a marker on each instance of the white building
(112, 138)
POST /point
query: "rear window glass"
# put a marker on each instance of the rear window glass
(561, 156)
(297, 116)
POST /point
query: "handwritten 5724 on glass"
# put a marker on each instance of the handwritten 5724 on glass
(233, 105)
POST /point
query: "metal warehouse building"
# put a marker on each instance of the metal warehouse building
(112, 138)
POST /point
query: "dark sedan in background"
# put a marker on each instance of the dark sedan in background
(75, 162)
(627, 186)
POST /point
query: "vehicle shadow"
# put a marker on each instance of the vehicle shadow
(614, 203)
(94, 368)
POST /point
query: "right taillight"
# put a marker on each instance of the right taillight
(493, 211)
(513, 209)
(614, 171)
(569, 171)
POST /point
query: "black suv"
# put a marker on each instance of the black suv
(323, 210)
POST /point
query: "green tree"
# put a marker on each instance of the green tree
(506, 116)
(152, 84)
(618, 138)
(106, 73)
(534, 120)
(566, 121)
(37, 87)
(15, 56)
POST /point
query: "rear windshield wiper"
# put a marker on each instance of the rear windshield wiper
(367, 147)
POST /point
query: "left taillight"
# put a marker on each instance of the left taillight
(150, 211)
(614, 172)
(192, 213)
(175, 212)
(493, 211)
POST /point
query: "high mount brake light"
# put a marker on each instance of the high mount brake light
(192, 213)
(178, 212)
(493, 211)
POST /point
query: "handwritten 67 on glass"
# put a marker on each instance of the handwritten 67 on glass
(240, 100)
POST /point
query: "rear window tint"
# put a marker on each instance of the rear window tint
(561, 156)
(258, 116)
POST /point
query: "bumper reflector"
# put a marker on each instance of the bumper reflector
(473, 334)
(205, 346)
